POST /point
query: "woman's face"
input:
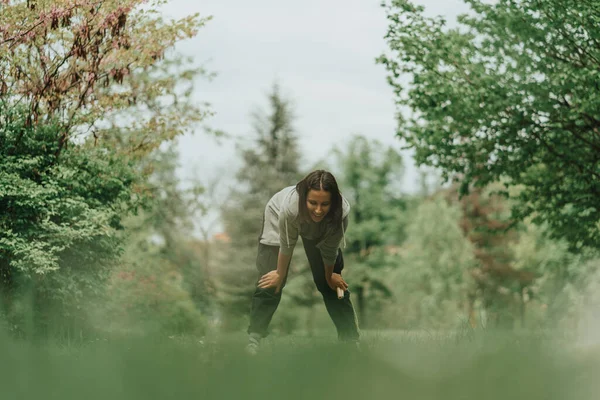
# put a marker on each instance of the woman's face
(318, 203)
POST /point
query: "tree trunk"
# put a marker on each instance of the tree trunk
(360, 298)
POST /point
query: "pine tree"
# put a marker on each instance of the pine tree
(269, 166)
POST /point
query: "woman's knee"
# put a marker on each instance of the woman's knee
(324, 289)
(268, 293)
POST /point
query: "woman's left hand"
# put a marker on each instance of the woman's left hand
(336, 281)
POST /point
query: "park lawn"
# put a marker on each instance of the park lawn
(395, 365)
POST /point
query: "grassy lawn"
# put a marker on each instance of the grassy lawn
(393, 364)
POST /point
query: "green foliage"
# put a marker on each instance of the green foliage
(61, 215)
(236, 278)
(431, 280)
(147, 294)
(368, 174)
(561, 292)
(508, 95)
(160, 284)
(269, 166)
(101, 67)
(498, 289)
(88, 92)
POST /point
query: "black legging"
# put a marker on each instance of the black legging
(265, 301)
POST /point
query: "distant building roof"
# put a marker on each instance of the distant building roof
(221, 237)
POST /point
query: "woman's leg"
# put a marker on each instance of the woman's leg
(264, 301)
(341, 311)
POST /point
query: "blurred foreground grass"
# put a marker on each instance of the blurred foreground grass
(396, 365)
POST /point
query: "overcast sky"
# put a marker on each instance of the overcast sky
(322, 53)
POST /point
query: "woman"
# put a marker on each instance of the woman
(315, 210)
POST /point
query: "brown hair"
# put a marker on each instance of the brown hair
(320, 180)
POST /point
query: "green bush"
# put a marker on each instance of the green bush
(62, 208)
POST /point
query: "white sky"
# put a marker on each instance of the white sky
(322, 53)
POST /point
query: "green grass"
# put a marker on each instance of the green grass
(391, 364)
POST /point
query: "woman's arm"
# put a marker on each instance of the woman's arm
(329, 252)
(331, 244)
(334, 280)
(283, 262)
(288, 236)
(275, 278)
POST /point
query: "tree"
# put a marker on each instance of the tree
(162, 283)
(431, 279)
(208, 192)
(58, 217)
(509, 95)
(369, 174)
(499, 287)
(169, 221)
(269, 166)
(87, 90)
(151, 290)
(98, 69)
(565, 284)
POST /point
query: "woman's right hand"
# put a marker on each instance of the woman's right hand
(271, 280)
